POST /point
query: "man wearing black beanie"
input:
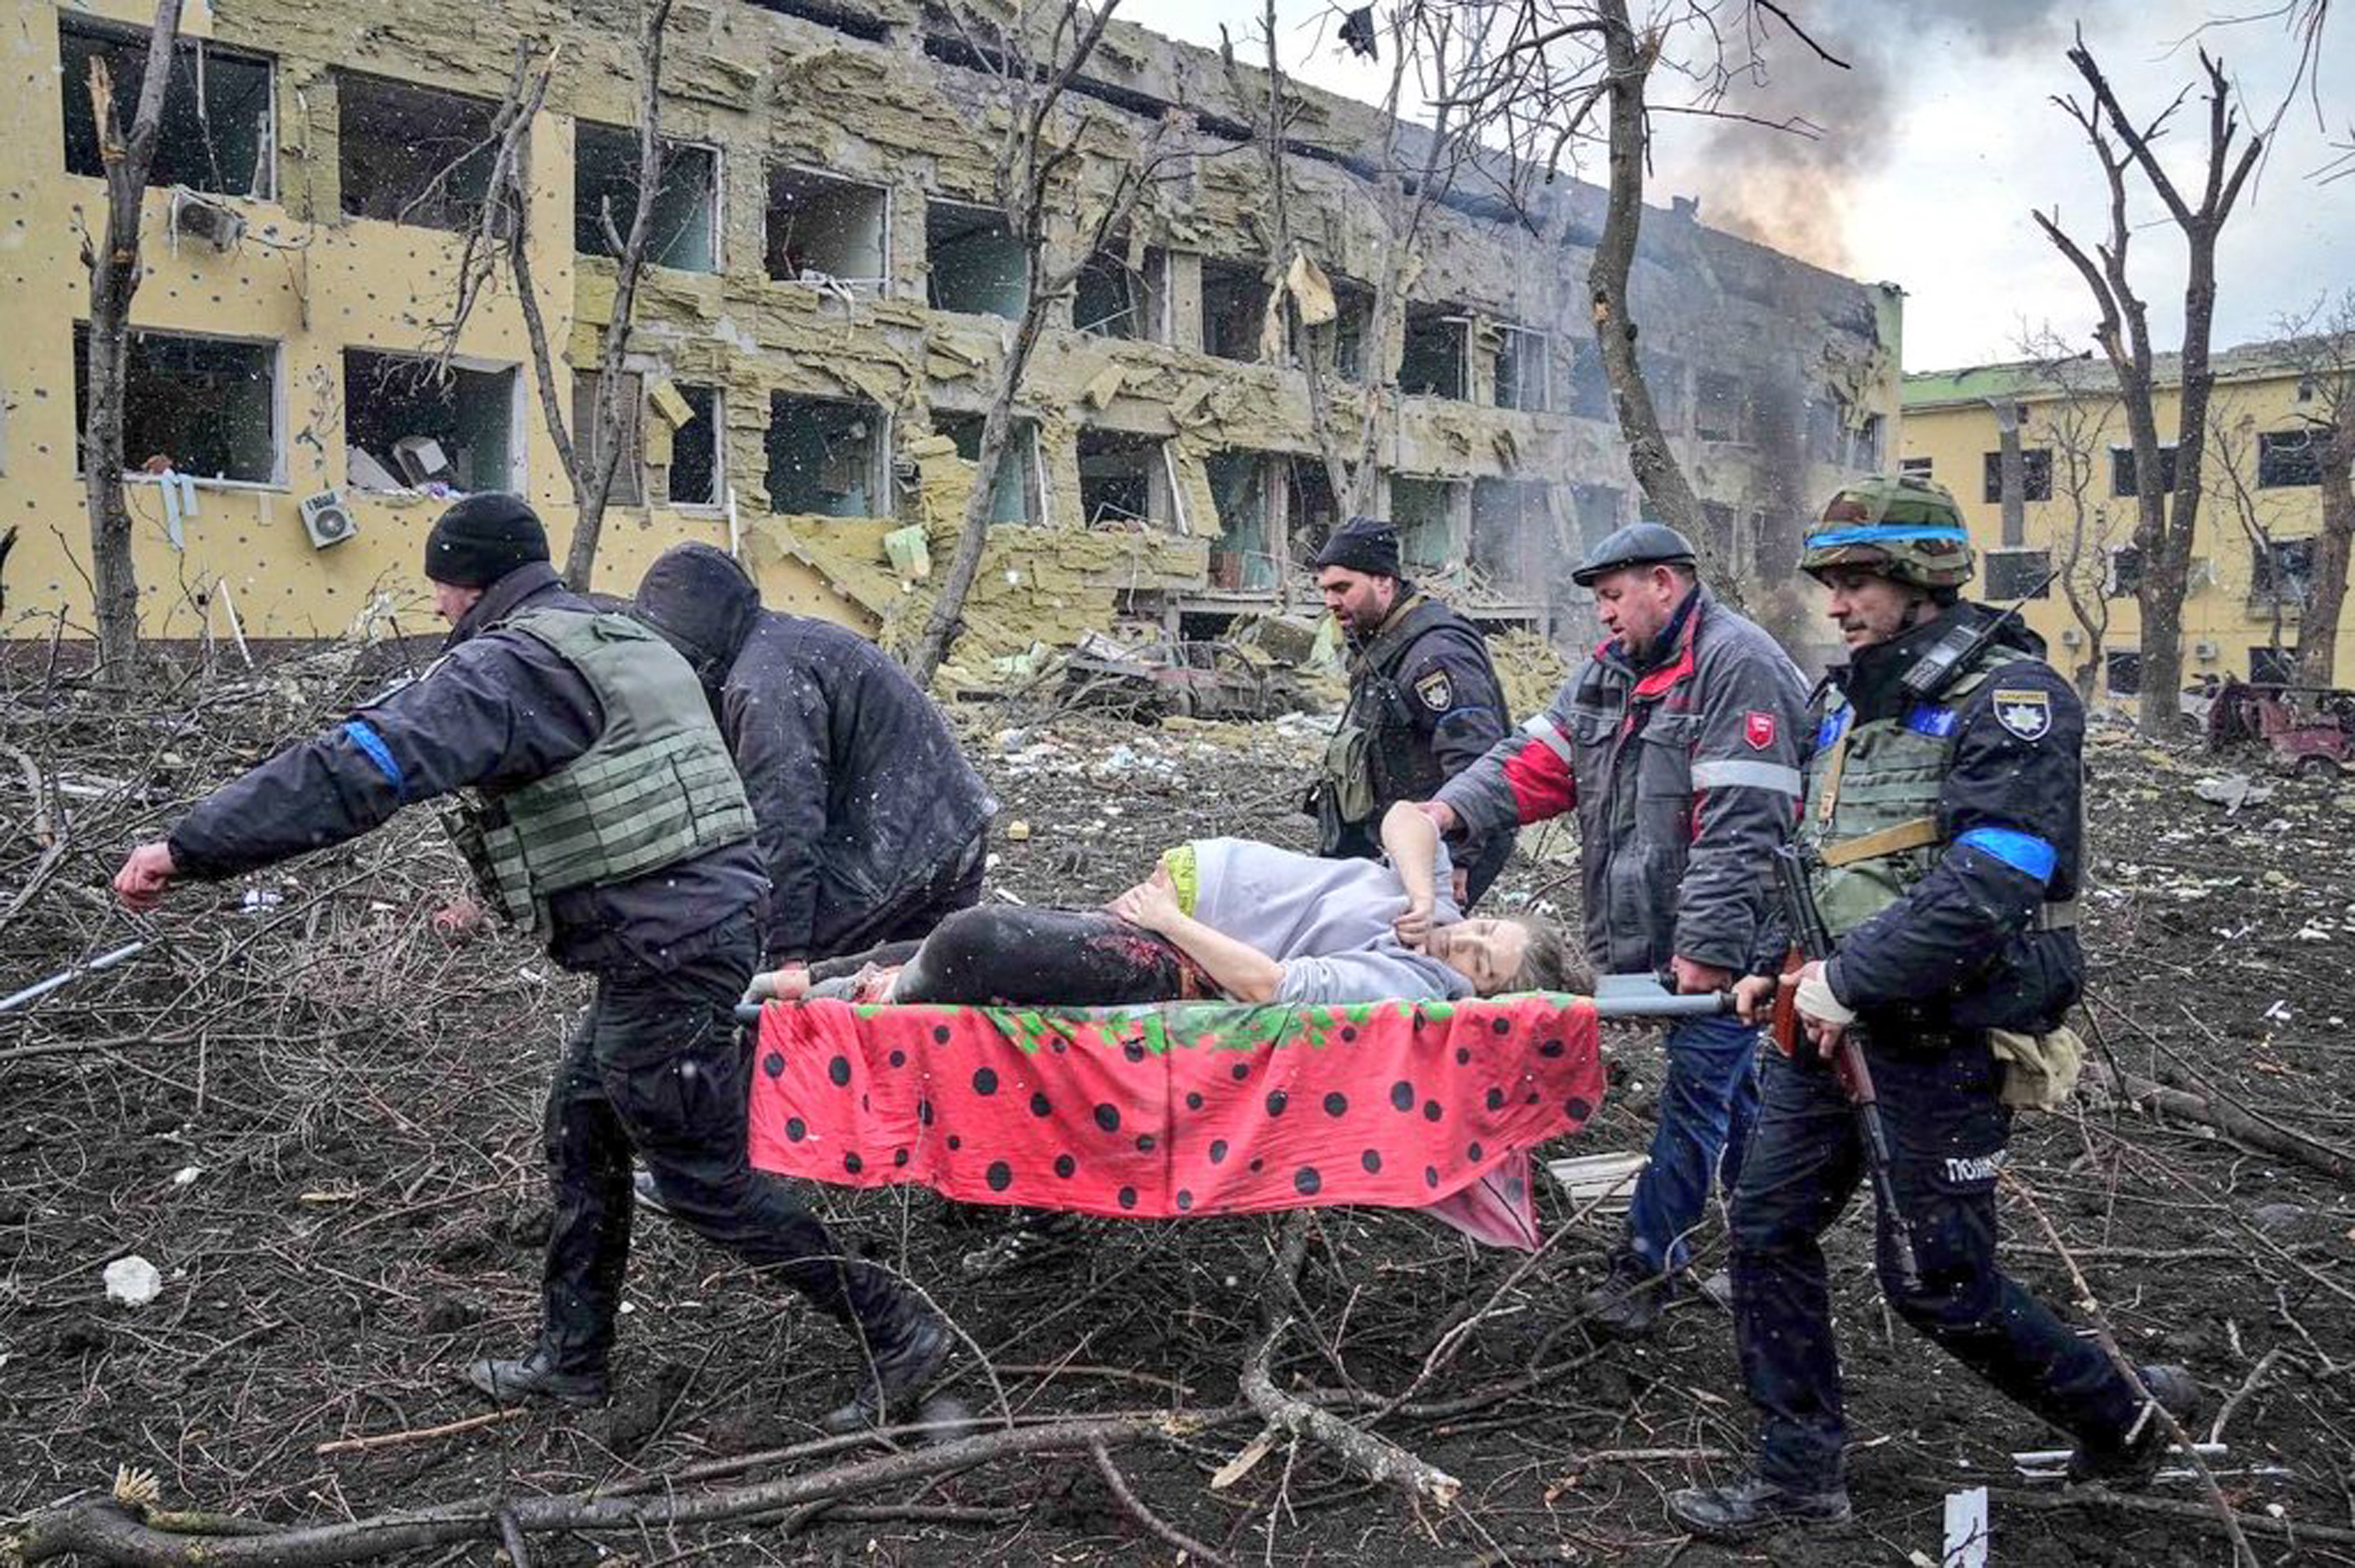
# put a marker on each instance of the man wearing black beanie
(1424, 701)
(601, 810)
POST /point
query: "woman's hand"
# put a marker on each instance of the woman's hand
(1152, 904)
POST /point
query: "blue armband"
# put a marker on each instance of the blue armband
(2022, 852)
(372, 746)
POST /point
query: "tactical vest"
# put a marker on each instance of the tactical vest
(1361, 772)
(1871, 815)
(657, 787)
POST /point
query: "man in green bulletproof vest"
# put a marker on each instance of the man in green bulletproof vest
(606, 815)
(1942, 828)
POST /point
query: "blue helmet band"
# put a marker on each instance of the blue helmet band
(1886, 534)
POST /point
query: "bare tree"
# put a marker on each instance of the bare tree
(2232, 485)
(114, 270)
(2164, 530)
(2073, 424)
(2324, 343)
(1038, 172)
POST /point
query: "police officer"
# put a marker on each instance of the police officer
(871, 823)
(1424, 702)
(1676, 744)
(1942, 823)
(605, 814)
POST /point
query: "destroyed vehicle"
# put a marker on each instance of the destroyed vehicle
(1155, 680)
(2306, 728)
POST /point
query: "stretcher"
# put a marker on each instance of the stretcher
(1192, 1109)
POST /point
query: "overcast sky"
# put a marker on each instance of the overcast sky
(1942, 137)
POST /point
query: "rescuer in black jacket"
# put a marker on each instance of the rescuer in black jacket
(872, 824)
(1424, 702)
(606, 813)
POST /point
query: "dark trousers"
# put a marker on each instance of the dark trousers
(1027, 956)
(1947, 1129)
(957, 885)
(659, 1065)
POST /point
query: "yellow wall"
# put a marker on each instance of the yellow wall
(2218, 610)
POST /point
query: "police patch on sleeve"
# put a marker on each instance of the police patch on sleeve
(1437, 692)
(2028, 713)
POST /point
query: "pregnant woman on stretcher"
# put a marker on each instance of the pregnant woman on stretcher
(1231, 918)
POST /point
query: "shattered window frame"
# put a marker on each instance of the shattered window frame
(588, 232)
(1916, 467)
(2281, 571)
(2288, 459)
(2122, 672)
(1420, 379)
(2272, 666)
(710, 402)
(80, 36)
(2123, 576)
(880, 284)
(1161, 489)
(514, 475)
(940, 207)
(2035, 475)
(207, 415)
(2123, 475)
(1247, 557)
(2012, 573)
(879, 492)
(1454, 521)
(1146, 287)
(1024, 448)
(451, 197)
(1247, 280)
(1533, 386)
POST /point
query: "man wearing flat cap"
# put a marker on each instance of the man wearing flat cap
(1677, 746)
(601, 811)
(1424, 702)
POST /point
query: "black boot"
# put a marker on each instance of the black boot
(905, 1341)
(534, 1378)
(2130, 1464)
(1628, 1303)
(1752, 1506)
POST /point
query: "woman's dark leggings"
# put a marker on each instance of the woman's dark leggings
(1029, 956)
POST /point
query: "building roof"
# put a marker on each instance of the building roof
(2032, 378)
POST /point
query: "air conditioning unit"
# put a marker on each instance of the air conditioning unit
(2204, 650)
(218, 226)
(2071, 637)
(328, 520)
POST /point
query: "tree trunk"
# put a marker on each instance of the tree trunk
(2012, 472)
(1663, 481)
(114, 274)
(947, 617)
(614, 410)
(2317, 632)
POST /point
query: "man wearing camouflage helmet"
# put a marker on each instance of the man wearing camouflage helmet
(1941, 832)
(1677, 746)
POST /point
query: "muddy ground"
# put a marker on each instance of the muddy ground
(318, 1120)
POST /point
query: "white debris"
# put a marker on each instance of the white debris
(258, 898)
(187, 1175)
(2232, 791)
(133, 1281)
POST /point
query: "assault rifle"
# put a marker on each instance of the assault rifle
(1811, 940)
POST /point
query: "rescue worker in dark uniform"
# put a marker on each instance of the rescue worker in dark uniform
(1678, 746)
(1942, 828)
(871, 823)
(604, 812)
(1424, 703)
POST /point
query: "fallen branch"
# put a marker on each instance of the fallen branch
(419, 1433)
(1117, 1484)
(1376, 1459)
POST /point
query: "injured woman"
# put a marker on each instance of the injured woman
(1220, 919)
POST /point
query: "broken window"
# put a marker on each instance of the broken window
(1524, 369)
(2122, 672)
(1664, 378)
(2273, 666)
(977, 267)
(1512, 535)
(413, 155)
(2018, 573)
(1124, 481)
(2035, 475)
(2287, 458)
(2121, 469)
(1234, 309)
(205, 406)
(218, 129)
(629, 488)
(1241, 559)
(1016, 496)
(2125, 571)
(408, 425)
(1916, 467)
(1432, 359)
(1353, 317)
(697, 449)
(1599, 510)
(1722, 406)
(683, 230)
(825, 457)
(823, 227)
(1864, 444)
(1116, 299)
(1429, 514)
(1311, 510)
(2281, 571)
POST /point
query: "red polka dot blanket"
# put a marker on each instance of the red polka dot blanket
(1185, 1108)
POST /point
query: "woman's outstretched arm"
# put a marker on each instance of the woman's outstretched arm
(1410, 839)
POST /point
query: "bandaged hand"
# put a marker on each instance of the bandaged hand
(1825, 1017)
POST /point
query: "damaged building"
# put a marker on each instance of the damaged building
(830, 292)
